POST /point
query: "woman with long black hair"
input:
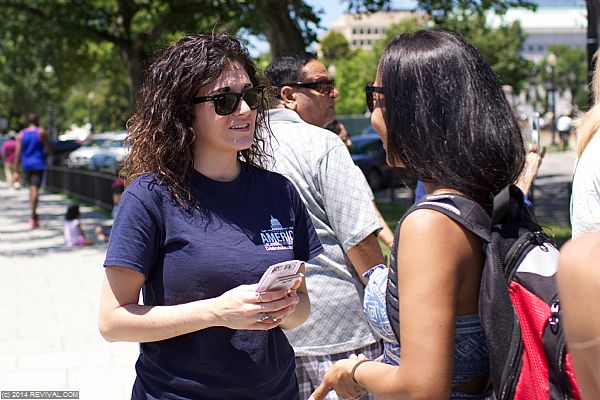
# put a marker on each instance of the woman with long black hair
(441, 113)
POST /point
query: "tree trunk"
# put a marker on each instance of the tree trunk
(282, 32)
(133, 56)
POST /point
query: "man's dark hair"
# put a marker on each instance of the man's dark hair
(288, 68)
(447, 118)
(32, 119)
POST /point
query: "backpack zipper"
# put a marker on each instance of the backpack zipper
(554, 320)
(532, 239)
(565, 385)
(537, 239)
(508, 391)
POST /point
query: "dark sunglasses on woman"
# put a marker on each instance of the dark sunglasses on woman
(323, 86)
(371, 101)
(227, 103)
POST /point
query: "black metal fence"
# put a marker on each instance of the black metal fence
(91, 187)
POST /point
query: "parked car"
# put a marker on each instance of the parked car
(81, 157)
(110, 157)
(368, 153)
(62, 149)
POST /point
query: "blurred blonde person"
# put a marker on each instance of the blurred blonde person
(579, 288)
(585, 198)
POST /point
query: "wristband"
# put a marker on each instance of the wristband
(356, 366)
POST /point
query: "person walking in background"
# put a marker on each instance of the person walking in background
(585, 198)
(429, 88)
(338, 198)
(564, 125)
(337, 127)
(73, 231)
(32, 148)
(8, 158)
(199, 223)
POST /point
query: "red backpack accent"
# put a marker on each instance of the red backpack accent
(518, 298)
(533, 315)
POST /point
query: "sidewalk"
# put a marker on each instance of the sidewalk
(49, 298)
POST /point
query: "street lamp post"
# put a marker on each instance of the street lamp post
(49, 73)
(551, 59)
(90, 98)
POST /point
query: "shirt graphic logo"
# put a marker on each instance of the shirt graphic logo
(278, 237)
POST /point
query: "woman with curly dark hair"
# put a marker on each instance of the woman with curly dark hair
(198, 225)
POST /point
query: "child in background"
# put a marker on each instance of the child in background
(73, 231)
(103, 231)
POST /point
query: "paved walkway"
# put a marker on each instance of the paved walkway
(49, 294)
(49, 298)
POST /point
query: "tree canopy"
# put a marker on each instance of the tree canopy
(86, 58)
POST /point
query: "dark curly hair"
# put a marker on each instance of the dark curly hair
(160, 133)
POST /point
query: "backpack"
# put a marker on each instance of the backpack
(519, 307)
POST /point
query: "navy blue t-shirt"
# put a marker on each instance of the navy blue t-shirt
(240, 228)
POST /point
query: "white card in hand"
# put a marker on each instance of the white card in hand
(280, 276)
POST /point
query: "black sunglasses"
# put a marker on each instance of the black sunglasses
(227, 103)
(323, 86)
(371, 101)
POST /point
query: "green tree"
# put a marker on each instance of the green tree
(359, 67)
(100, 96)
(334, 47)
(135, 28)
(351, 75)
(441, 10)
(501, 46)
(290, 25)
(405, 26)
(570, 73)
(66, 35)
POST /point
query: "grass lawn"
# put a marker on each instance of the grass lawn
(393, 212)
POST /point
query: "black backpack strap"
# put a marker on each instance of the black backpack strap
(461, 209)
(509, 206)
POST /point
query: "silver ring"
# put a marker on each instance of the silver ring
(263, 317)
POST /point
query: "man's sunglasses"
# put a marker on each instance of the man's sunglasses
(371, 101)
(323, 86)
(227, 103)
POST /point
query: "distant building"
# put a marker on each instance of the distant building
(563, 22)
(554, 22)
(362, 30)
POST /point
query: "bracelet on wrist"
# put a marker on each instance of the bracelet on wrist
(356, 366)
